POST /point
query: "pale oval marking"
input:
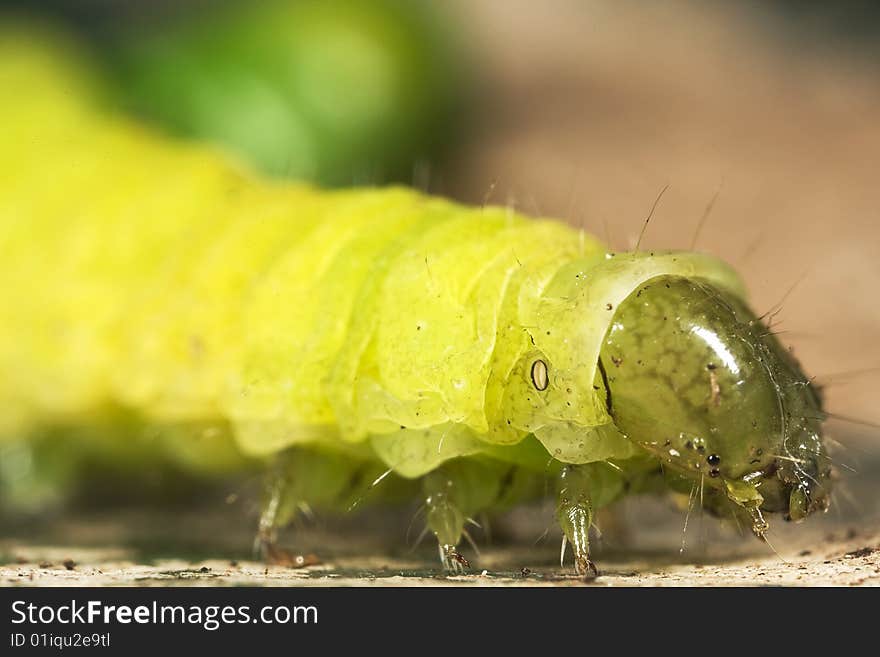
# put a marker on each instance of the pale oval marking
(539, 375)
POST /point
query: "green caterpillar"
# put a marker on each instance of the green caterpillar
(468, 352)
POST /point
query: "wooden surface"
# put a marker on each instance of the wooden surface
(854, 562)
(838, 561)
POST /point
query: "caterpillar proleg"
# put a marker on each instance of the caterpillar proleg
(373, 337)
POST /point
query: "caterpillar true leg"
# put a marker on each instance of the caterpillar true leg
(454, 494)
(462, 489)
(279, 509)
(304, 479)
(445, 516)
(574, 512)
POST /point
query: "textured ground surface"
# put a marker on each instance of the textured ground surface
(854, 562)
(193, 548)
(840, 561)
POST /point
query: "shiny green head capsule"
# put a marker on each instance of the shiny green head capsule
(694, 377)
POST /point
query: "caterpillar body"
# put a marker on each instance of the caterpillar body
(468, 352)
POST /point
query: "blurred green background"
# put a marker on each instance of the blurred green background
(340, 92)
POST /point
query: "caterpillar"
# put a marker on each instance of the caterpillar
(376, 338)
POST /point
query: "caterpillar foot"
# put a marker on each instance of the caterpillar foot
(585, 568)
(454, 493)
(283, 501)
(445, 519)
(452, 560)
(575, 514)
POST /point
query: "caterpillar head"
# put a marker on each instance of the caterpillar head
(694, 377)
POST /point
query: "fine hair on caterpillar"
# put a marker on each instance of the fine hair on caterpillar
(380, 343)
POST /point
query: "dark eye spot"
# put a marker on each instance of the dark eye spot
(539, 375)
(714, 472)
(713, 459)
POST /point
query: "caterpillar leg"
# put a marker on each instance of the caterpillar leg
(574, 512)
(280, 507)
(301, 480)
(445, 517)
(457, 491)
